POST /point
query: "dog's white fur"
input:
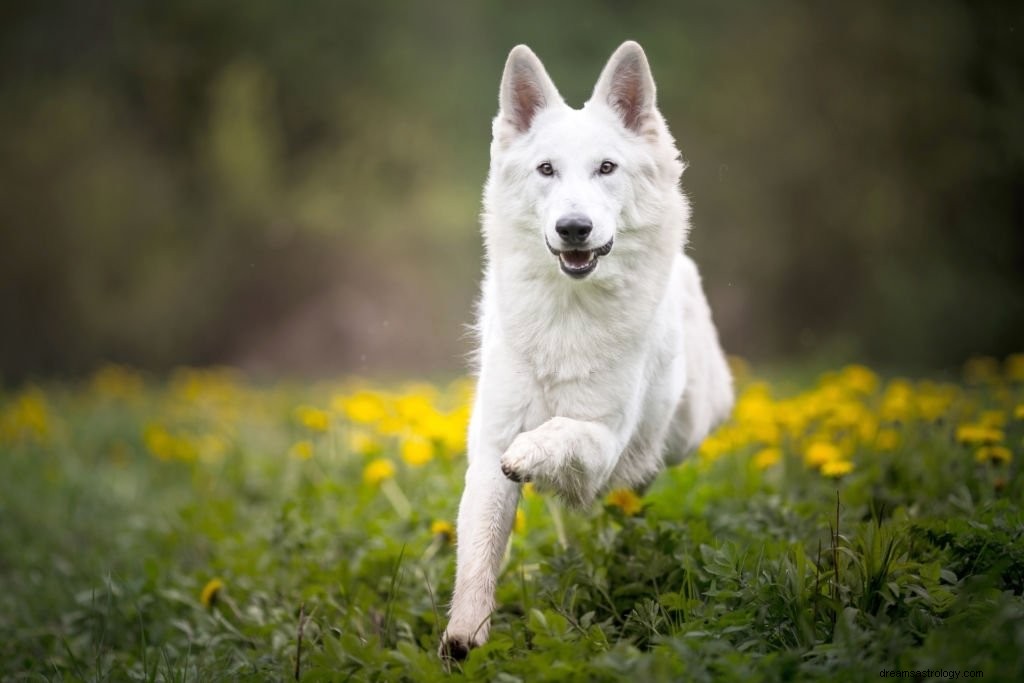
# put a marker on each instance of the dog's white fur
(584, 384)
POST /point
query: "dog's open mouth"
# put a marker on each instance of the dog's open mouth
(579, 263)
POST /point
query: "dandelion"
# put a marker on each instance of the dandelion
(626, 500)
(836, 468)
(378, 470)
(859, 379)
(444, 530)
(363, 407)
(975, 433)
(992, 418)
(313, 419)
(363, 442)
(520, 524)
(819, 453)
(117, 381)
(158, 442)
(1014, 367)
(993, 454)
(887, 439)
(766, 457)
(210, 592)
(301, 450)
(417, 451)
(981, 370)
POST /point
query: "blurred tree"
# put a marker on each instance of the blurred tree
(295, 187)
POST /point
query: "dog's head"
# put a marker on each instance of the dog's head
(584, 179)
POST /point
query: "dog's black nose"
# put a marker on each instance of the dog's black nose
(574, 228)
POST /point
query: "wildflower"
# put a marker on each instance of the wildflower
(117, 381)
(444, 530)
(836, 468)
(1018, 412)
(993, 454)
(766, 457)
(363, 407)
(626, 500)
(897, 401)
(377, 471)
(887, 439)
(1014, 367)
(363, 442)
(301, 450)
(159, 442)
(975, 433)
(417, 451)
(520, 523)
(821, 452)
(210, 592)
(993, 418)
(860, 379)
(981, 370)
(314, 419)
(528, 490)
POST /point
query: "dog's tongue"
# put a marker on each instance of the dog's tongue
(576, 258)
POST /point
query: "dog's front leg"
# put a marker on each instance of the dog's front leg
(573, 458)
(486, 513)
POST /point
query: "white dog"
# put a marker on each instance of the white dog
(599, 362)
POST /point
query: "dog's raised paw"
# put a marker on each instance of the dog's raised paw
(455, 648)
(511, 473)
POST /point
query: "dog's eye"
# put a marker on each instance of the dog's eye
(546, 169)
(608, 167)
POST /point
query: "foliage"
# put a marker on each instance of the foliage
(245, 176)
(208, 528)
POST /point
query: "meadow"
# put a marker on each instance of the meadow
(204, 527)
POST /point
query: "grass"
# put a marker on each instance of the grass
(204, 528)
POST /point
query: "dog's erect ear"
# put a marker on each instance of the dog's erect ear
(526, 88)
(626, 85)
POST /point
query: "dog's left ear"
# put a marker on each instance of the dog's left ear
(626, 85)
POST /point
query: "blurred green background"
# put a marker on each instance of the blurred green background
(293, 187)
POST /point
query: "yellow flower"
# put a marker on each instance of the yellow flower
(314, 419)
(1018, 412)
(363, 442)
(820, 452)
(301, 450)
(887, 439)
(528, 490)
(417, 451)
(626, 500)
(992, 418)
(520, 523)
(981, 370)
(364, 407)
(993, 454)
(443, 529)
(836, 468)
(378, 470)
(973, 433)
(1015, 367)
(860, 379)
(766, 457)
(208, 597)
(117, 381)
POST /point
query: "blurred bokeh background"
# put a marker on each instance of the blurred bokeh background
(294, 187)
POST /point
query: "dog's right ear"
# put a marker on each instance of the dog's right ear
(526, 89)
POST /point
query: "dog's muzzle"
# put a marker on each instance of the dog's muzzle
(579, 263)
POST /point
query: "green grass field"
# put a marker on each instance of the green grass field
(204, 528)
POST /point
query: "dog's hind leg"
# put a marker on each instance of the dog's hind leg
(486, 514)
